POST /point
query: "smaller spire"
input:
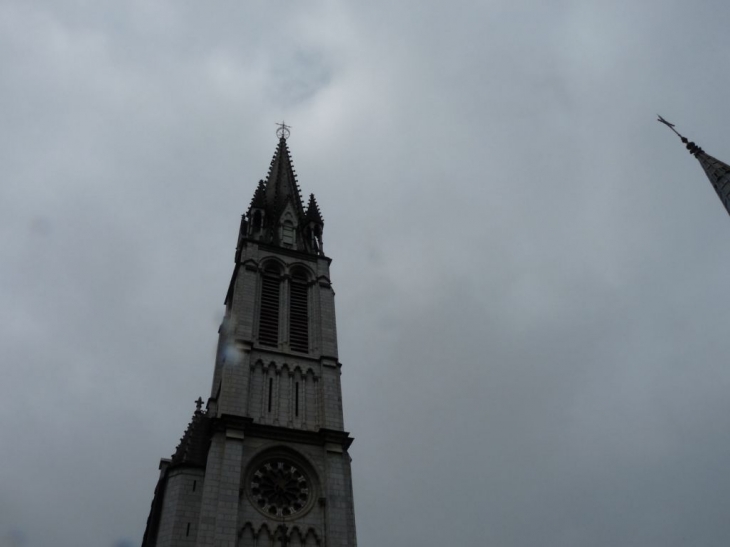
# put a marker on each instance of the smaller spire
(315, 225)
(718, 172)
(259, 197)
(313, 214)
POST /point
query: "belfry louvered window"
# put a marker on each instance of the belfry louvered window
(299, 312)
(269, 310)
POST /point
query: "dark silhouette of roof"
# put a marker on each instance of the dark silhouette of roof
(194, 444)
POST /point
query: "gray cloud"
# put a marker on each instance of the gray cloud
(529, 270)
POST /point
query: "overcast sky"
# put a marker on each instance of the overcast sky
(531, 273)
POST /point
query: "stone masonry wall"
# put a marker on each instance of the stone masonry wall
(179, 521)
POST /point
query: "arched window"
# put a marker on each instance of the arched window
(269, 306)
(287, 234)
(299, 311)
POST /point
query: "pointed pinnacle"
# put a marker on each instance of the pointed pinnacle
(313, 213)
(259, 196)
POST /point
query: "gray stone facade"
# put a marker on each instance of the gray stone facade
(266, 463)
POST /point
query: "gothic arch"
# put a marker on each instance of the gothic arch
(311, 538)
(272, 264)
(299, 537)
(290, 368)
(248, 525)
(279, 368)
(265, 536)
(296, 539)
(301, 269)
(247, 536)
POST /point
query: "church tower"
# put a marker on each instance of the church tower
(717, 172)
(266, 462)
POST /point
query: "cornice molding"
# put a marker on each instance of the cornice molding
(248, 427)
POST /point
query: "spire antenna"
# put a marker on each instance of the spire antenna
(283, 131)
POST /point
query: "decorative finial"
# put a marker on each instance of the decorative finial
(692, 147)
(198, 404)
(283, 131)
(669, 125)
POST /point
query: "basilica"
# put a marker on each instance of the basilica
(264, 461)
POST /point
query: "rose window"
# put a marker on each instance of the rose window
(279, 488)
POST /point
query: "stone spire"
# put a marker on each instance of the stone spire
(259, 197)
(717, 171)
(281, 183)
(276, 214)
(313, 214)
(314, 226)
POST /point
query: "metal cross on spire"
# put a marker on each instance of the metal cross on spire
(669, 125)
(692, 147)
(283, 131)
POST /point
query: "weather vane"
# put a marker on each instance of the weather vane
(283, 131)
